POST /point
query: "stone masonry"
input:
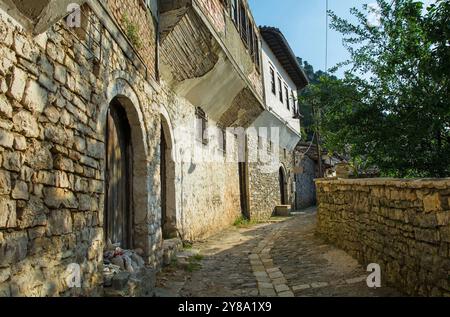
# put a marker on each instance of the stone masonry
(265, 193)
(403, 225)
(55, 91)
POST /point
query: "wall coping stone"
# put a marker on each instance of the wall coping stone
(440, 183)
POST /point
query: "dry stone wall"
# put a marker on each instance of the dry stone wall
(402, 225)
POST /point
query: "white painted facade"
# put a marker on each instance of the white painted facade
(278, 115)
(273, 102)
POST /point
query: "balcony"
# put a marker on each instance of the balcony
(204, 59)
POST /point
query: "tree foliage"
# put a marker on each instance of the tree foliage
(392, 107)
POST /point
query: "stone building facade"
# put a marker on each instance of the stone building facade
(276, 132)
(113, 129)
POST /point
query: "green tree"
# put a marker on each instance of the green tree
(392, 108)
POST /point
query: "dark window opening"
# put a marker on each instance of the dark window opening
(223, 140)
(257, 56)
(235, 11)
(287, 98)
(202, 126)
(272, 77)
(280, 85)
(244, 24)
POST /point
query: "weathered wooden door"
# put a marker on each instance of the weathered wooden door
(243, 179)
(118, 211)
(283, 188)
(163, 175)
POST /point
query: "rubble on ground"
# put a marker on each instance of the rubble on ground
(124, 271)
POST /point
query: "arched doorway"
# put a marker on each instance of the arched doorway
(168, 202)
(118, 177)
(283, 186)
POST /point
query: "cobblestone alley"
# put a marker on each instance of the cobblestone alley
(283, 258)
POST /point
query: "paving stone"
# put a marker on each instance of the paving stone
(356, 280)
(260, 274)
(299, 259)
(319, 284)
(267, 293)
(279, 281)
(286, 294)
(265, 285)
(275, 275)
(281, 288)
(272, 270)
(263, 279)
(301, 287)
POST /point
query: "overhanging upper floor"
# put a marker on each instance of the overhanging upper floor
(211, 56)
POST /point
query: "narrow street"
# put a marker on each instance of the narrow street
(283, 258)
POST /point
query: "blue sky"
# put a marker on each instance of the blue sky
(303, 24)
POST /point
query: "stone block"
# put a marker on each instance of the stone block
(432, 202)
(283, 210)
(26, 123)
(6, 139)
(36, 97)
(20, 142)
(8, 217)
(5, 182)
(5, 107)
(14, 248)
(63, 163)
(60, 74)
(57, 197)
(24, 48)
(20, 191)
(16, 83)
(12, 161)
(32, 214)
(60, 222)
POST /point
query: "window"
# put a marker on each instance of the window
(222, 140)
(272, 78)
(270, 147)
(280, 85)
(251, 41)
(294, 102)
(244, 24)
(235, 11)
(285, 153)
(260, 142)
(257, 57)
(202, 126)
(286, 90)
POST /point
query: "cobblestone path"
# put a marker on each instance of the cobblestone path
(281, 259)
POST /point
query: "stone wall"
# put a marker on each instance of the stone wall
(265, 193)
(207, 186)
(53, 104)
(52, 115)
(403, 225)
(134, 14)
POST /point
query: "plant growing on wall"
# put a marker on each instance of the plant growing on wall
(132, 31)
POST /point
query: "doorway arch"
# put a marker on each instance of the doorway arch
(168, 198)
(121, 92)
(283, 181)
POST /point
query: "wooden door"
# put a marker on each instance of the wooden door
(282, 180)
(163, 175)
(118, 211)
(243, 180)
